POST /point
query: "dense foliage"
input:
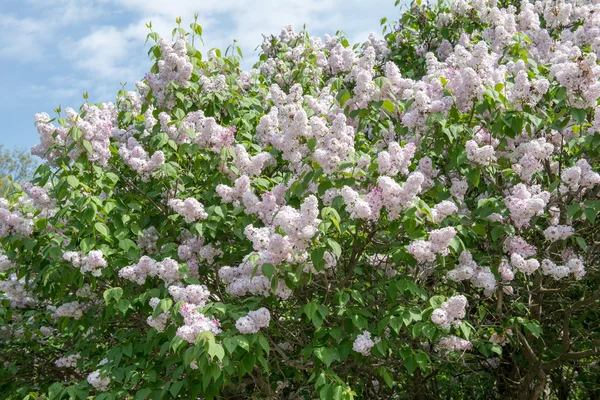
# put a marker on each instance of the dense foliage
(413, 217)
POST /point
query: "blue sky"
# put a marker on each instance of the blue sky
(51, 51)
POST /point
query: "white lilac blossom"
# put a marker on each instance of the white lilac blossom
(69, 361)
(254, 321)
(558, 232)
(364, 343)
(479, 155)
(98, 382)
(93, 262)
(190, 209)
(95, 125)
(73, 310)
(526, 202)
(481, 277)
(439, 240)
(195, 323)
(454, 343)
(450, 313)
(396, 160)
(167, 270)
(525, 266)
(175, 66)
(443, 209)
(138, 159)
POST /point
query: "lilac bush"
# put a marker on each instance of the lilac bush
(410, 217)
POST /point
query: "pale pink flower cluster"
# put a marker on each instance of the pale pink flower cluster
(254, 321)
(459, 188)
(250, 166)
(363, 343)
(73, 309)
(195, 323)
(300, 226)
(573, 266)
(426, 250)
(12, 221)
(483, 155)
(357, 207)
(69, 361)
(525, 91)
(454, 343)
(15, 290)
(166, 270)
(175, 66)
(481, 277)
(579, 177)
(190, 209)
(192, 294)
(525, 266)
(518, 245)
(206, 132)
(96, 126)
(529, 156)
(160, 321)
(396, 160)
(39, 195)
(443, 209)
(558, 232)
(506, 274)
(241, 193)
(98, 382)
(240, 281)
(5, 262)
(193, 250)
(138, 160)
(93, 262)
(450, 313)
(334, 145)
(526, 202)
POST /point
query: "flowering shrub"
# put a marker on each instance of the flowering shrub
(383, 220)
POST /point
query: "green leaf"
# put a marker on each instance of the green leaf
(534, 328)
(590, 214)
(113, 293)
(175, 388)
(388, 105)
(316, 256)
(88, 146)
(578, 115)
(72, 181)
(142, 394)
(422, 359)
(326, 354)
(103, 229)
(335, 246)
(268, 270)
(411, 364)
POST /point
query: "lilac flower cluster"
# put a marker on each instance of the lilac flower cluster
(450, 313)
(254, 321)
(137, 158)
(190, 209)
(363, 343)
(426, 250)
(166, 270)
(93, 262)
(195, 323)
